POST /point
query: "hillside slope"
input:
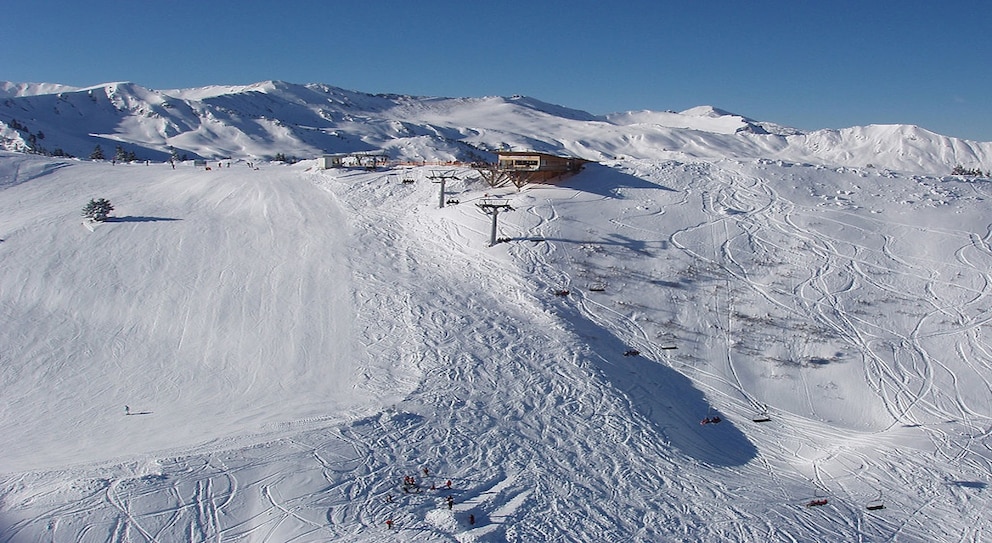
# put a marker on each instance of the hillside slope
(297, 341)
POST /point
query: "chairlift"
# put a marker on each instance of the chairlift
(816, 500)
(408, 177)
(762, 416)
(710, 418)
(876, 504)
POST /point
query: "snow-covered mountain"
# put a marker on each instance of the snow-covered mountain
(260, 120)
(264, 351)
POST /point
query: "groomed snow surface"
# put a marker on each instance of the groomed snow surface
(291, 343)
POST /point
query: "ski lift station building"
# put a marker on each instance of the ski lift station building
(539, 166)
(340, 160)
(530, 161)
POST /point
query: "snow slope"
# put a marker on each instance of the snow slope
(121, 303)
(293, 342)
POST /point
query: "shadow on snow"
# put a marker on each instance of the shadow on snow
(606, 181)
(666, 398)
(646, 247)
(132, 218)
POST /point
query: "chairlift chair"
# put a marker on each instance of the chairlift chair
(710, 418)
(816, 500)
(876, 504)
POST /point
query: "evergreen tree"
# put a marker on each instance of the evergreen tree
(120, 155)
(97, 210)
(97, 153)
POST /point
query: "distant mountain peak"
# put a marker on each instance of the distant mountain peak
(708, 111)
(273, 117)
(11, 89)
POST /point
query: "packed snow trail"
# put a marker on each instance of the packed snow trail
(206, 300)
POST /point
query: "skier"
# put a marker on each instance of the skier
(471, 520)
(127, 410)
(451, 502)
(410, 484)
(389, 524)
(426, 472)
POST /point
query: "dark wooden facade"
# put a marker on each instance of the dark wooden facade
(534, 167)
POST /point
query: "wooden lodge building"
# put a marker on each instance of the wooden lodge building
(537, 167)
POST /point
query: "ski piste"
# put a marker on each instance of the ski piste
(292, 375)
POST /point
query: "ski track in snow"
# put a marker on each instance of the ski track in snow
(743, 286)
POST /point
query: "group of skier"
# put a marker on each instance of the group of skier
(412, 486)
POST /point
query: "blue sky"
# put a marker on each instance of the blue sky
(807, 64)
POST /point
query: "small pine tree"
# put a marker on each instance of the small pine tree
(97, 153)
(120, 155)
(97, 210)
(961, 170)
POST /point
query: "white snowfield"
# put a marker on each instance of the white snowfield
(291, 343)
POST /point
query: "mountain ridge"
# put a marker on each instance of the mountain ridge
(273, 117)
